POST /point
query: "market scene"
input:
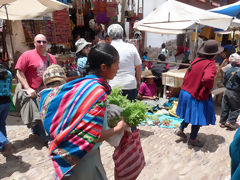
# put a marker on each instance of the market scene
(119, 89)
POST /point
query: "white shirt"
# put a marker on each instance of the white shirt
(129, 58)
(164, 51)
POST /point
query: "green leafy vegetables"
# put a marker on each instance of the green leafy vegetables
(133, 112)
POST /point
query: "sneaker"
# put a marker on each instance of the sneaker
(231, 126)
(180, 134)
(195, 142)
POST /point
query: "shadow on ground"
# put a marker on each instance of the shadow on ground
(145, 134)
(13, 164)
(211, 142)
(13, 120)
(31, 141)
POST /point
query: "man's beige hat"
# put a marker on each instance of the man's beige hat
(148, 74)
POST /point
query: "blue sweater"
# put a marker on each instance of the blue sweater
(6, 85)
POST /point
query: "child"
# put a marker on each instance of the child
(107, 39)
(54, 76)
(231, 97)
(74, 115)
(83, 48)
(144, 66)
(146, 58)
(5, 103)
(148, 89)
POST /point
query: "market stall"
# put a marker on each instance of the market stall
(173, 17)
(175, 78)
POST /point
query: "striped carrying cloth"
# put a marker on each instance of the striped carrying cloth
(73, 116)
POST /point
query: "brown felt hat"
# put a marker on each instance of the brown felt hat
(210, 47)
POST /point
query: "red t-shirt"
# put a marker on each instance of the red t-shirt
(33, 65)
(200, 80)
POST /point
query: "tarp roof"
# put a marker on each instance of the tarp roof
(173, 17)
(230, 10)
(28, 9)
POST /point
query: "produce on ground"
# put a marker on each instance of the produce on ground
(166, 122)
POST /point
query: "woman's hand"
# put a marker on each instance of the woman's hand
(120, 125)
(155, 97)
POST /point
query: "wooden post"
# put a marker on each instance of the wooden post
(123, 14)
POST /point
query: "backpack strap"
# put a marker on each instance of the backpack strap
(233, 74)
(190, 67)
(48, 60)
(48, 63)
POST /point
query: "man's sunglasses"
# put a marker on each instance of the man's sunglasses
(44, 42)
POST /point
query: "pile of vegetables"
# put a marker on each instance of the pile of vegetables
(133, 112)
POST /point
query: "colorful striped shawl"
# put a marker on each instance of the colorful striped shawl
(73, 116)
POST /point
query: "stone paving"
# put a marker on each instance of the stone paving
(166, 156)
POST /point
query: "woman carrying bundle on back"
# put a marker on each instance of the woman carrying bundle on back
(74, 115)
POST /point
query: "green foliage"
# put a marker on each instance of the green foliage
(133, 112)
(117, 98)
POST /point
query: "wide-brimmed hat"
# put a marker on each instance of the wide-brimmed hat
(54, 73)
(148, 74)
(234, 58)
(80, 44)
(210, 47)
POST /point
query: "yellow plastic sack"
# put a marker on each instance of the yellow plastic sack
(173, 110)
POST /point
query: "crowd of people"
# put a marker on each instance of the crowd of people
(70, 117)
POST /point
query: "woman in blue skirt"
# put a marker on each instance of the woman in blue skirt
(195, 104)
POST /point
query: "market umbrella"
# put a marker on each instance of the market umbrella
(173, 17)
(28, 9)
(230, 10)
(6, 1)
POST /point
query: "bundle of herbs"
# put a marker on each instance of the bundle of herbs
(133, 112)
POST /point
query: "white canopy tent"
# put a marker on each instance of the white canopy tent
(28, 9)
(174, 17)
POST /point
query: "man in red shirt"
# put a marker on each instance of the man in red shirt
(30, 67)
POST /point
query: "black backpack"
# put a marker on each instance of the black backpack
(3, 72)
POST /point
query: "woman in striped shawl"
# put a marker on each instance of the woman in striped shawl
(74, 115)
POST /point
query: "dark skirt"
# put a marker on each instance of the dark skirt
(194, 111)
(89, 168)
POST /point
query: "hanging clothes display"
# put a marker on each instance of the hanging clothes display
(100, 10)
(79, 13)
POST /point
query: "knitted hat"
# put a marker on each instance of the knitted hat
(234, 58)
(80, 44)
(54, 73)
